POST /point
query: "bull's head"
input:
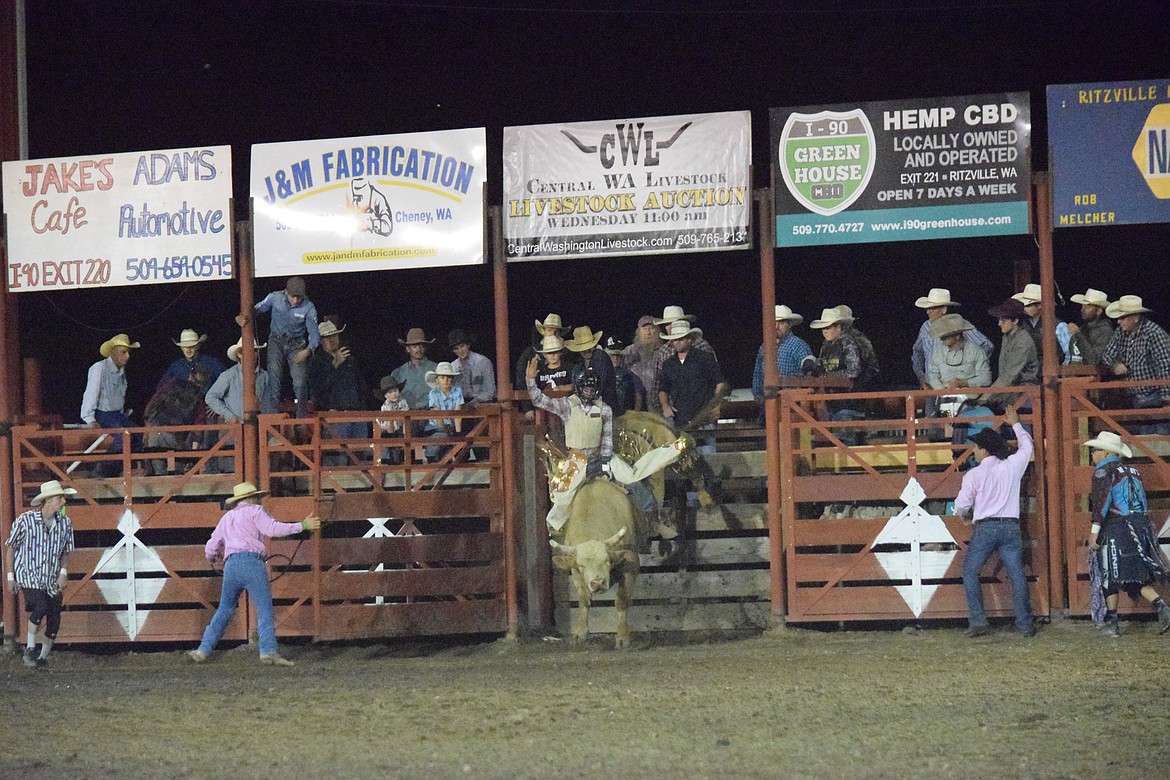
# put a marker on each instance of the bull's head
(594, 559)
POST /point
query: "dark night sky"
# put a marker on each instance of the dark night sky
(147, 75)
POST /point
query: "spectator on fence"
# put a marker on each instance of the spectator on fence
(938, 303)
(1139, 349)
(445, 395)
(666, 350)
(190, 342)
(477, 375)
(871, 375)
(292, 338)
(226, 395)
(1019, 360)
(177, 402)
(791, 350)
(551, 326)
(957, 361)
(413, 373)
(589, 356)
(337, 384)
(990, 495)
(1090, 339)
(239, 540)
(842, 355)
(37, 548)
(392, 401)
(104, 403)
(1030, 297)
(639, 357)
(629, 392)
(1124, 545)
(691, 382)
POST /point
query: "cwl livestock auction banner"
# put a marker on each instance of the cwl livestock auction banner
(119, 219)
(628, 187)
(902, 170)
(413, 200)
(1109, 152)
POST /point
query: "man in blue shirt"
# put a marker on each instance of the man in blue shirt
(292, 337)
(790, 350)
(190, 342)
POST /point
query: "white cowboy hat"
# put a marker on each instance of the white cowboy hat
(1126, 304)
(949, 325)
(551, 344)
(1029, 295)
(189, 338)
(672, 313)
(938, 296)
(679, 329)
(584, 339)
(233, 352)
(1091, 297)
(785, 313)
(846, 314)
(244, 490)
(551, 321)
(327, 328)
(49, 490)
(1110, 442)
(121, 340)
(443, 369)
(831, 316)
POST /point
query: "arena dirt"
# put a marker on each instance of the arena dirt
(787, 703)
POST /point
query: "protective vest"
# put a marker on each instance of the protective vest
(583, 426)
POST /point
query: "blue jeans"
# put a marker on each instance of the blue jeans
(118, 420)
(243, 571)
(989, 536)
(280, 354)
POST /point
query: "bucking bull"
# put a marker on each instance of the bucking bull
(605, 530)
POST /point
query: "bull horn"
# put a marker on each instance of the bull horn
(612, 541)
(561, 549)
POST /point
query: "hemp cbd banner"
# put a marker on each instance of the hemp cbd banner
(628, 187)
(1109, 152)
(413, 200)
(901, 170)
(119, 219)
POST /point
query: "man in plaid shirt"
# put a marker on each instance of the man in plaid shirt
(790, 351)
(1139, 349)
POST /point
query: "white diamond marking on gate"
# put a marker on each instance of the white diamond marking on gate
(915, 526)
(129, 557)
(378, 530)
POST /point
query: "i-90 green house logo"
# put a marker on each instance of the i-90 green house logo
(827, 158)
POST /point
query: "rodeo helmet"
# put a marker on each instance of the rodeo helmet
(587, 385)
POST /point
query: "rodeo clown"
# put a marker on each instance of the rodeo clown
(589, 438)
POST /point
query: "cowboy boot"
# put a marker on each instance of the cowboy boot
(1164, 618)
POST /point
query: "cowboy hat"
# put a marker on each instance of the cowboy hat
(1110, 442)
(785, 313)
(551, 321)
(121, 340)
(938, 296)
(458, 336)
(680, 329)
(233, 352)
(1091, 297)
(189, 338)
(329, 328)
(551, 344)
(1011, 309)
(673, 313)
(1126, 304)
(415, 336)
(242, 491)
(49, 490)
(614, 345)
(584, 339)
(846, 314)
(831, 316)
(390, 382)
(443, 369)
(1029, 295)
(989, 440)
(949, 325)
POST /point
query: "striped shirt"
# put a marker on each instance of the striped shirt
(105, 390)
(40, 549)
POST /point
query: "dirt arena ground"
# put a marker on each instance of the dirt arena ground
(786, 703)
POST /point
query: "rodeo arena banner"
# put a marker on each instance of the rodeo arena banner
(1110, 153)
(628, 187)
(902, 170)
(119, 219)
(413, 200)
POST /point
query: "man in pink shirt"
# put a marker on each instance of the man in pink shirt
(239, 541)
(990, 494)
